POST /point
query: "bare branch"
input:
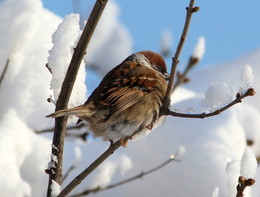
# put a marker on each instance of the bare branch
(77, 180)
(182, 77)
(242, 184)
(68, 172)
(60, 123)
(175, 60)
(140, 175)
(238, 99)
(4, 71)
(82, 136)
(79, 126)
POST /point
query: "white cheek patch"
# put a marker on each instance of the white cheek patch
(141, 59)
(145, 62)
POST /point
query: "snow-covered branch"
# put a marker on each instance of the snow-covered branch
(66, 89)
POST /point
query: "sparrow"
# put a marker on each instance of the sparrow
(127, 101)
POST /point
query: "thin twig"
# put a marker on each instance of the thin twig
(82, 136)
(77, 180)
(60, 123)
(138, 176)
(68, 172)
(242, 184)
(182, 77)
(79, 126)
(175, 60)
(4, 71)
(238, 99)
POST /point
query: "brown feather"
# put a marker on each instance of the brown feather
(124, 86)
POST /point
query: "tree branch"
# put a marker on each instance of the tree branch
(77, 180)
(238, 99)
(175, 60)
(68, 172)
(242, 184)
(82, 136)
(79, 126)
(140, 175)
(182, 77)
(4, 71)
(55, 173)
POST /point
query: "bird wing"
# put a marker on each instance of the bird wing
(124, 86)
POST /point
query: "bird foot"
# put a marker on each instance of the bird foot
(124, 141)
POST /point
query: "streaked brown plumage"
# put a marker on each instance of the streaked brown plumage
(128, 99)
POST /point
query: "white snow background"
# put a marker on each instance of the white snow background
(26, 31)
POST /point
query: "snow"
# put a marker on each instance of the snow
(248, 164)
(247, 79)
(104, 175)
(215, 192)
(26, 37)
(55, 189)
(26, 42)
(13, 153)
(217, 96)
(199, 49)
(108, 169)
(246, 168)
(64, 40)
(125, 164)
(78, 155)
(181, 94)
(53, 162)
(166, 43)
(22, 155)
(233, 173)
(180, 151)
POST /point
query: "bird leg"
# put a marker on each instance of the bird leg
(124, 141)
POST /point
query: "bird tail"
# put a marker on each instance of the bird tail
(76, 111)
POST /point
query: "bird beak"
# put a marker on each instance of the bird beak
(166, 76)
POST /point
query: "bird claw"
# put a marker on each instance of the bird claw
(124, 141)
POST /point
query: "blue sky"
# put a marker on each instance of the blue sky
(231, 28)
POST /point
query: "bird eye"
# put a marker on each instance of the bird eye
(159, 68)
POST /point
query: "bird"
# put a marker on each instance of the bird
(127, 101)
